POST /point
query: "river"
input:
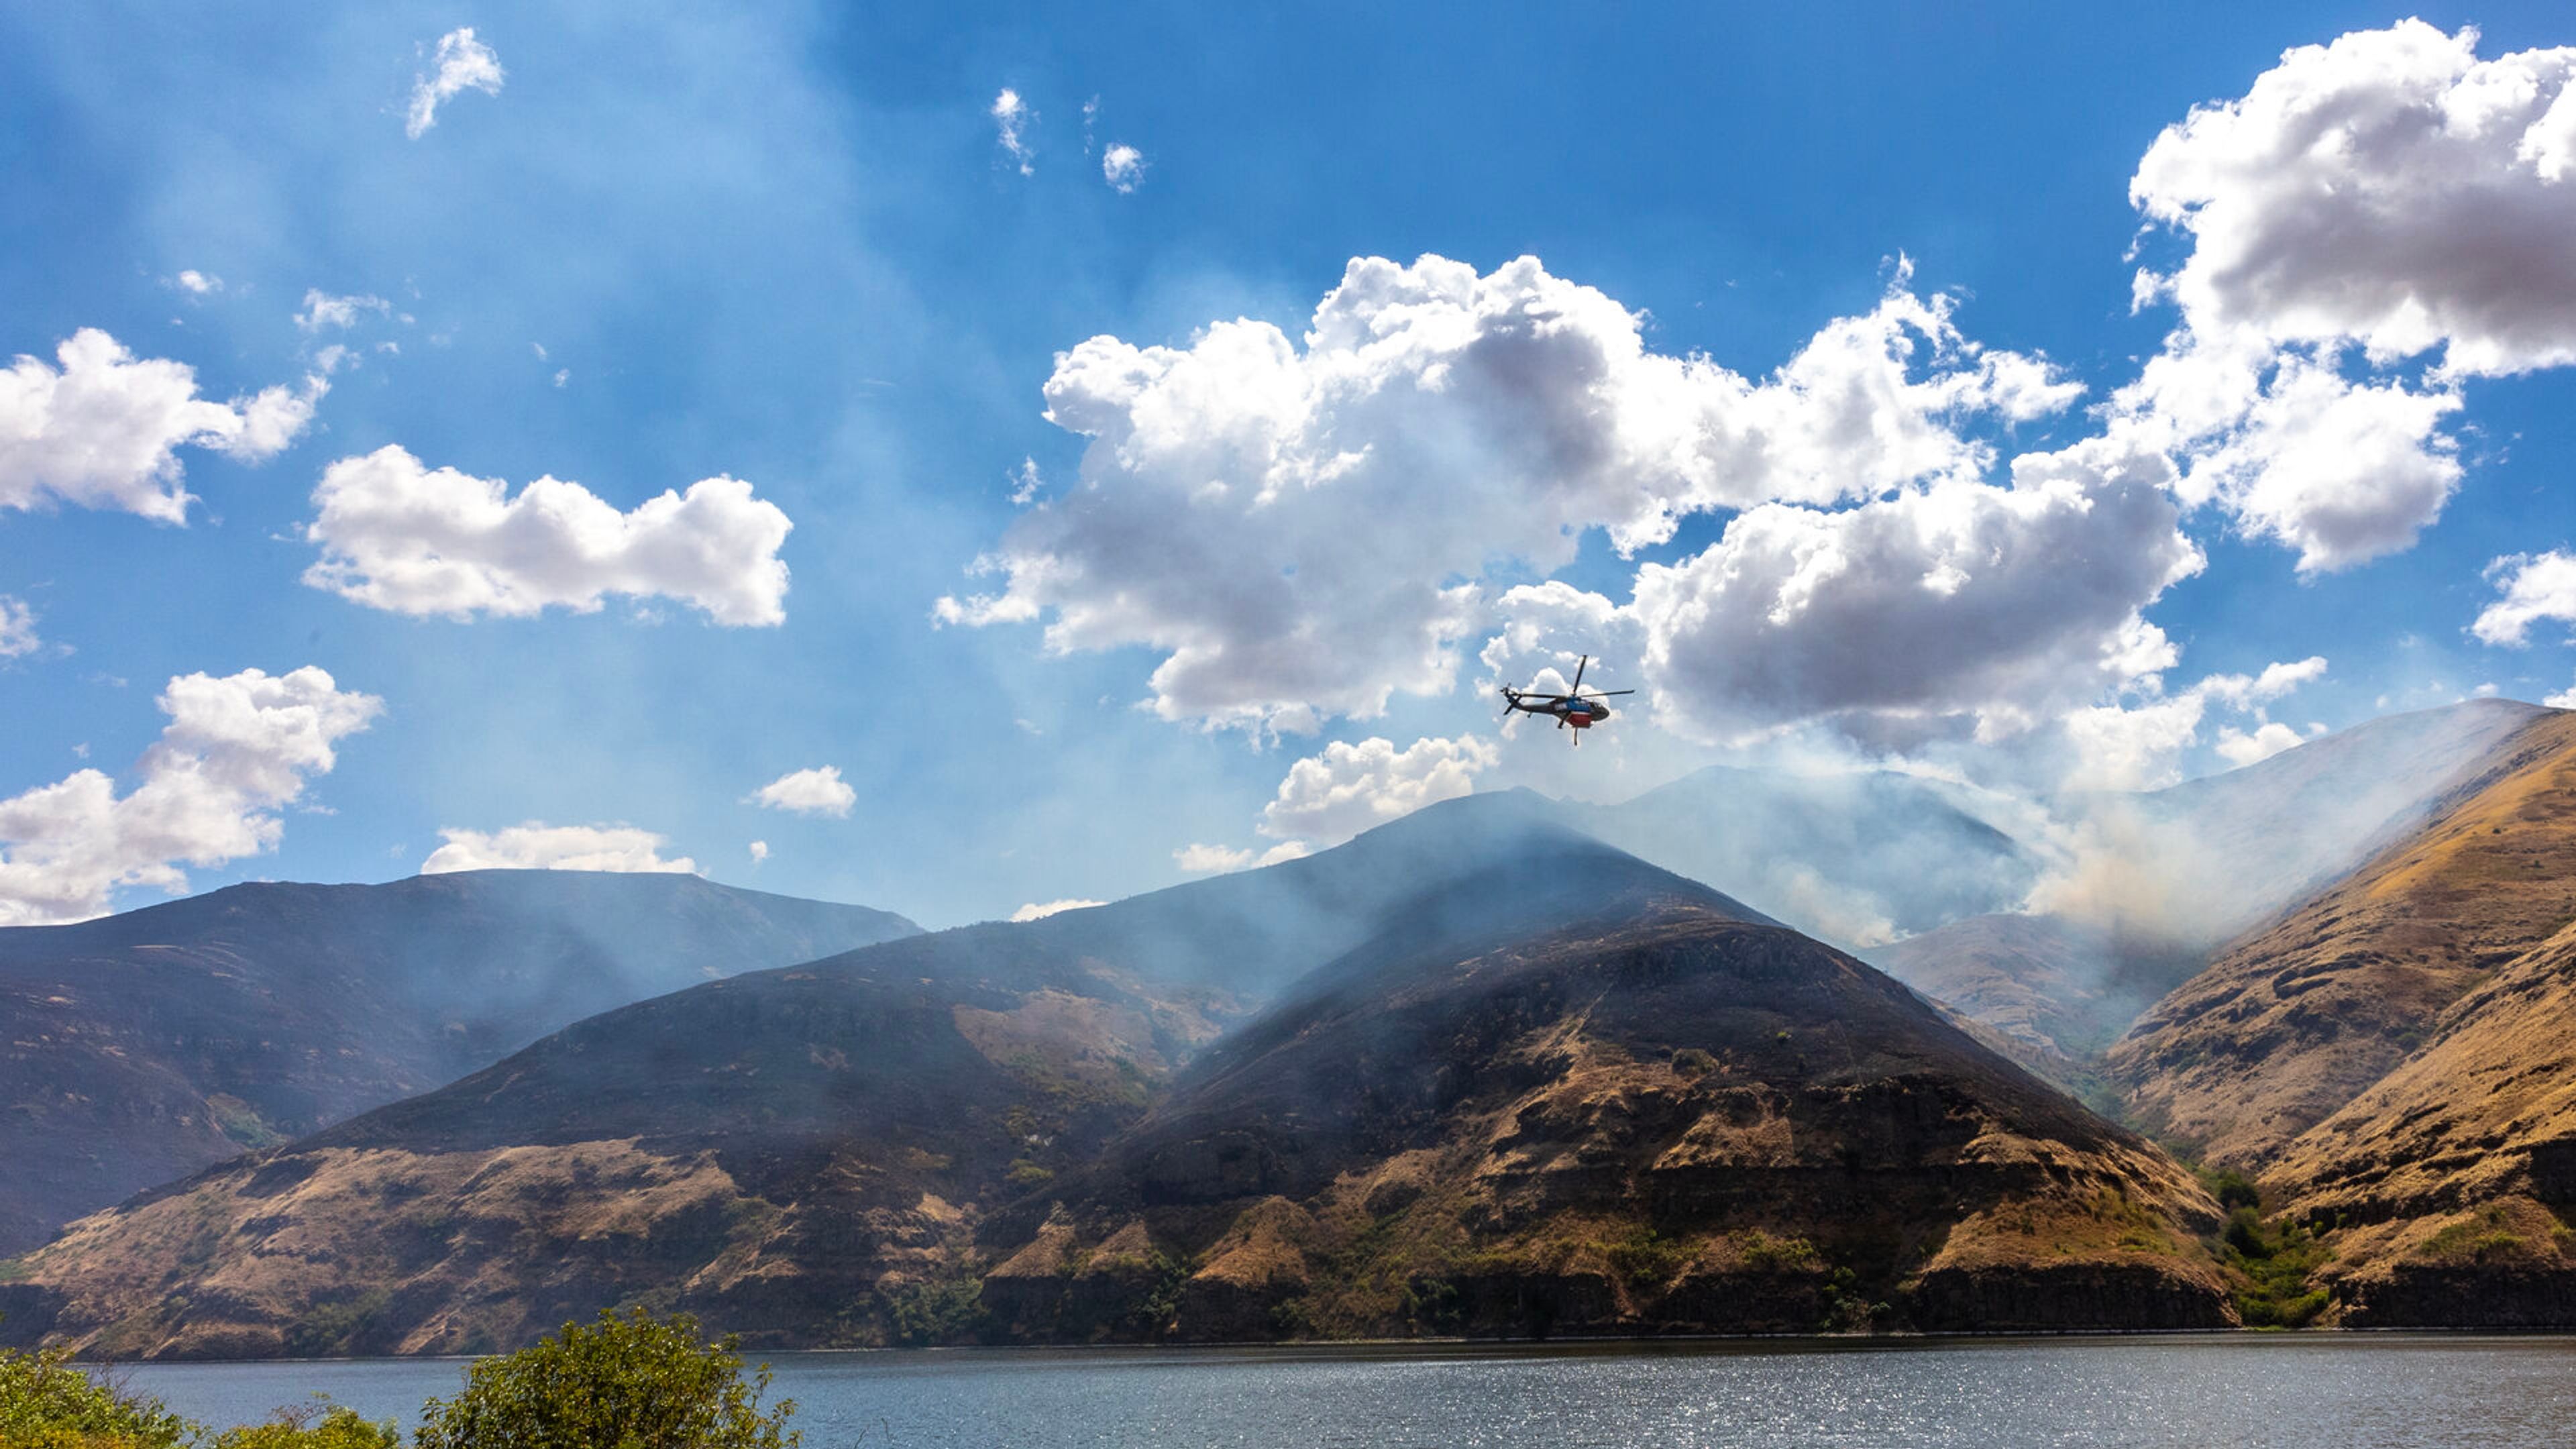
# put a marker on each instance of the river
(2307, 1391)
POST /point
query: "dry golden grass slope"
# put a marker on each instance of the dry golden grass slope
(2295, 1019)
(2451, 1176)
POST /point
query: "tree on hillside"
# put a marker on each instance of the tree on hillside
(637, 1382)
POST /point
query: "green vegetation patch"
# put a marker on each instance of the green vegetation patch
(46, 1403)
(635, 1380)
(2269, 1267)
(329, 1329)
(1759, 1249)
(315, 1426)
(1646, 1258)
(933, 1311)
(2483, 1238)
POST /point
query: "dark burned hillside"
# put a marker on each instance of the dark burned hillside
(1653, 1114)
(148, 1045)
(873, 1147)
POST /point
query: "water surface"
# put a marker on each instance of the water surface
(2309, 1391)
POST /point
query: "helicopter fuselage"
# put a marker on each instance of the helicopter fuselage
(1575, 707)
(1582, 714)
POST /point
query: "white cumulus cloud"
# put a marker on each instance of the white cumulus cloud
(538, 846)
(2243, 747)
(1040, 910)
(1202, 859)
(461, 63)
(237, 749)
(759, 851)
(2535, 587)
(1302, 527)
(400, 536)
(1123, 167)
(2389, 195)
(1347, 788)
(102, 429)
(2140, 746)
(819, 791)
(1962, 597)
(2389, 188)
(196, 283)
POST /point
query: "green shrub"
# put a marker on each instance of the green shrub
(934, 1311)
(2268, 1269)
(1761, 1250)
(46, 1403)
(315, 1426)
(1644, 1257)
(1693, 1062)
(2233, 1189)
(637, 1382)
(328, 1329)
(2245, 1233)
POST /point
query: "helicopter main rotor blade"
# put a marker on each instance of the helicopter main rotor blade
(1605, 693)
(1579, 667)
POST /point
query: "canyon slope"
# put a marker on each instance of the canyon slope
(2443, 1191)
(1630, 1108)
(2162, 881)
(2294, 1020)
(143, 1046)
(1854, 858)
(880, 1146)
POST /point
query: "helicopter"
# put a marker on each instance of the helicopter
(1578, 707)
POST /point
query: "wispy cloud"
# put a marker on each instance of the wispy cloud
(461, 63)
(1011, 118)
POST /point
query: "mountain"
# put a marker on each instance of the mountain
(2056, 990)
(2162, 880)
(147, 1045)
(2292, 1021)
(1625, 1105)
(840, 1152)
(2201, 862)
(1859, 857)
(2447, 1185)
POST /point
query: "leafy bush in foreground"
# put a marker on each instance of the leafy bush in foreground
(46, 1403)
(320, 1426)
(637, 1382)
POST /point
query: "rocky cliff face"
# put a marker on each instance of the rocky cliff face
(1535, 1085)
(2296, 1019)
(145, 1046)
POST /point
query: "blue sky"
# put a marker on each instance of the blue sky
(790, 248)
